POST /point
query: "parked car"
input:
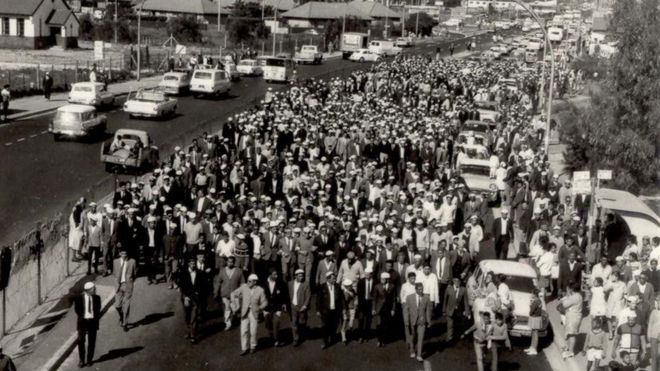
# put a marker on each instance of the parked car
(129, 150)
(404, 42)
(91, 94)
(149, 103)
(249, 67)
(364, 55)
(521, 279)
(76, 120)
(385, 48)
(308, 54)
(209, 82)
(175, 82)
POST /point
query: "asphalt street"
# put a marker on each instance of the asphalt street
(40, 177)
(156, 341)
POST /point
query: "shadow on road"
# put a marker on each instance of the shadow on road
(118, 353)
(152, 318)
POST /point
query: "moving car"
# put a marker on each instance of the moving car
(76, 120)
(364, 55)
(130, 149)
(521, 279)
(308, 54)
(149, 103)
(175, 82)
(278, 69)
(209, 82)
(385, 48)
(91, 94)
(475, 174)
(404, 42)
(249, 67)
(476, 126)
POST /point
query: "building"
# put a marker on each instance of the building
(600, 26)
(313, 13)
(37, 24)
(204, 10)
(376, 11)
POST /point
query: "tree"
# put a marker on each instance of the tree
(184, 28)
(424, 24)
(452, 3)
(622, 125)
(245, 23)
(86, 29)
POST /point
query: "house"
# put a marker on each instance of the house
(313, 13)
(205, 10)
(375, 10)
(599, 28)
(37, 24)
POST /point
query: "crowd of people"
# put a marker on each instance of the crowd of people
(343, 198)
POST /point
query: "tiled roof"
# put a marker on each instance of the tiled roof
(321, 10)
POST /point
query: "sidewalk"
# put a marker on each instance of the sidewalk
(37, 104)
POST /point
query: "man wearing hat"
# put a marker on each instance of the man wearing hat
(109, 242)
(193, 284)
(417, 319)
(94, 240)
(503, 233)
(125, 270)
(154, 237)
(300, 296)
(276, 295)
(383, 307)
(251, 300)
(88, 309)
(570, 270)
(130, 234)
(326, 265)
(366, 288)
(329, 309)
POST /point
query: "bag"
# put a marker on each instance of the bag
(561, 309)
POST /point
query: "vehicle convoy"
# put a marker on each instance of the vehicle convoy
(278, 69)
(385, 48)
(129, 150)
(91, 94)
(352, 42)
(209, 83)
(175, 82)
(475, 174)
(521, 279)
(149, 103)
(76, 120)
(364, 55)
(308, 54)
(249, 67)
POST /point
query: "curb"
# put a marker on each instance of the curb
(70, 344)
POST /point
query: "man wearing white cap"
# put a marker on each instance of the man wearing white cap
(383, 307)
(300, 295)
(93, 240)
(326, 265)
(88, 309)
(503, 233)
(251, 300)
(329, 309)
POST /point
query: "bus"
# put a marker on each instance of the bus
(278, 69)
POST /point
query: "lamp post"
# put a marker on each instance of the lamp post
(139, 49)
(552, 71)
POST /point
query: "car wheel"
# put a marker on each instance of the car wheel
(361, 59)
(378, 60)
(57, 137)
(109, 168)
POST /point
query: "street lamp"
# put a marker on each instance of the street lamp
(552, 71)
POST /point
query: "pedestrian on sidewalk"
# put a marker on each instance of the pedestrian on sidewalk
(6, 363)
(193, 286)
(92, 73)
(47, 84)
(88, 309)
(5, 95)
(230, 278)
(76, 229)
(250, 300)
(93, 239)
(125, 269)
(535, 321)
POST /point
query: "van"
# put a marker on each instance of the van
(384, 47)
(209, 82)
(76, 120)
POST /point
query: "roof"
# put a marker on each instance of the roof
(19, 7)
(199, 7)
(134, 132)
(617, 200)
(507, 267)
(78, 108)
(600, 23)
(374, 9)
(282, 5)
(88, 83)
(58, 17)
(319, 10)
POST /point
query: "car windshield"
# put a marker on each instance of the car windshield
(83, 88)
(521, 284)
(170, 78)
(203, 75)
(67, 116)
(475, 126)
(246, 63)
(475, 169)
(276, 62)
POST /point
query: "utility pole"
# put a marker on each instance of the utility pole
(139, 49)
(275, 32)
(115, 21)
(417, 24)
(219, 16)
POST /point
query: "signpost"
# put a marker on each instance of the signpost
(98, 50)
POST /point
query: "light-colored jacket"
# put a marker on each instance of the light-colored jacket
(251, 300)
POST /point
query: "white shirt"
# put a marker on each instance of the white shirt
(545, 263)
(225, 249)
(124, 263)
(256, 242)
(152, 239)
(503, 230)
(407, 289)
(603, 272)
(296, 285)
(368, 285)
(331, 289)
(89, 307)
(504, 294)
(430, 283)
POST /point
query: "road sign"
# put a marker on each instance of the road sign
(581, 182)
(581, 175)
(605, 174)
(98, 50)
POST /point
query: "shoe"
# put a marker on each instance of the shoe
(277, 344)
(89, 364)
(244, 352)
(252, 350)
(193, 341)
(324, 346)
(380, 345)
(125, 328)
(412, 355)
(81, 364)
(171, 287)
(532, 353)
(420, 359)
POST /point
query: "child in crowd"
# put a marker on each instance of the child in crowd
(595, 345)
(598, 304)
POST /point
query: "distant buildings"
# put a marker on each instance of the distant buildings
(37, 24)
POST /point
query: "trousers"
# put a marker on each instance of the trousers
(248, 331)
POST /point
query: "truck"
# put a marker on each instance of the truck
(555, 34)
(129, 150)
(308, 54)
(352, 42)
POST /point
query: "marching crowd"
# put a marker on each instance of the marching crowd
(343, 198)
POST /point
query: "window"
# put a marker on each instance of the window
(20, 27)
(5, 26)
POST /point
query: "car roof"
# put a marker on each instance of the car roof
(87, 83)
(507, 267)
(175, 73)
(77, 108)
(138, 133)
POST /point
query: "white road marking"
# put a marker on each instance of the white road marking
(33, 135)
(44, 132)
(20, 140)
(8, 143)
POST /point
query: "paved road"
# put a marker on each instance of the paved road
(156, 343)
(40, 177)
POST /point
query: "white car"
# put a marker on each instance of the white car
(403, 42)
(249, 67)
(91, 94)
(150, 103)
(175, 83)
(364, 55)
(521, 279)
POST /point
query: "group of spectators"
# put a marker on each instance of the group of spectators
(343, 197)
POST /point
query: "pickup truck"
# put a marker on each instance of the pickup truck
(129, 150)
(150, 103)
(308, 54)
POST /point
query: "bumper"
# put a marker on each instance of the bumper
(142, 114)
(527, 332)
(88, 102)
(171, 89)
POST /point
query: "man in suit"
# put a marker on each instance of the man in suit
(323, 241)
(277, 298)
(441, 266)
(582, 205)
(172, 249)
(300, 295)
(326, 265)
(417, 318)
(286, 250)
(570, 270)
(125, 269)
(130, 234)
(94, 240)
(88, 309)
(329, 308)
(229, 279)
(503, 233)
(383, 307)
(251, 300)
(109, 242)
(365, 291)
(193, 284)
(455, 307)
(153, 246)
(643, 289)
